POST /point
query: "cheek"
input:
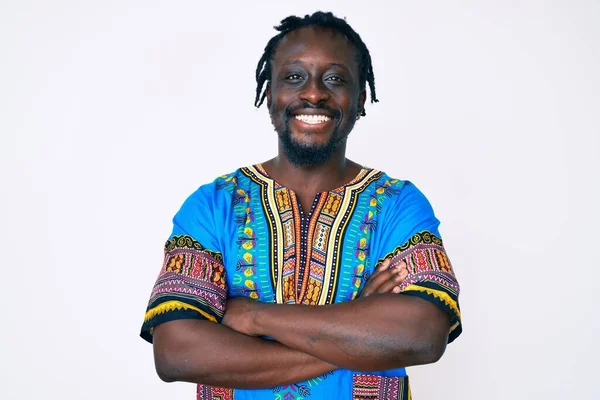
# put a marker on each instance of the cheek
(351, 112)
(272, 100)
(276, 114)
(274, 111)
(348, 100)
(277, 105)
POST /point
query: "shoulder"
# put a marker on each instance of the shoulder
(403, 206)
(401, 193)
(215, 195)
(206, 214)
(228, 182)
(222, 187)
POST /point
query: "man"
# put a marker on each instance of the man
(254, 253)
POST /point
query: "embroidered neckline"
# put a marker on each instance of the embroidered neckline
(264, 175)
(305, 249)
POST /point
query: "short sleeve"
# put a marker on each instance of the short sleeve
(410, 233)
(191, 283)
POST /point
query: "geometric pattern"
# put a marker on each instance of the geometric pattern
(285, 255)
(205, 392)
(306, 247)
(373, 387)
(191, 284)
(380, 193)
(430, 275)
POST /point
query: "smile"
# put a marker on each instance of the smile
(312, 119)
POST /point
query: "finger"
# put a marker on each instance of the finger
(369, 288)
(400, 266)
(394, 281)
(402, 269)
(403, 274)
(387, 278)
(382, 267)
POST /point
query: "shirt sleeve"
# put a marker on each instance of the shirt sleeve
(410, 234)
(191, 283)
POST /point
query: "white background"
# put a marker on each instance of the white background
(112, 112)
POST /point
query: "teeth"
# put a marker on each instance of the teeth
(313, 119)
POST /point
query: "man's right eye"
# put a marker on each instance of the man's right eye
(293, 77)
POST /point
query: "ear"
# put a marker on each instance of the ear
(268, 94)
(362, 97)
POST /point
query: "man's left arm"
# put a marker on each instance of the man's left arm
(367, 334)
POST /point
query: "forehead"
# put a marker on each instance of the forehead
(314, 44)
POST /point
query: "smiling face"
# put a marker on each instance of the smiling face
(314, 95)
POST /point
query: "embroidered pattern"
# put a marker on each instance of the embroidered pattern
(245, 284)
(381, 192)
(191, 282)
(306, 248)
(373, 387)
(291, 392)
(277, 252)
(430, 274)
(205, 392)
(298, 391)
(247, 279)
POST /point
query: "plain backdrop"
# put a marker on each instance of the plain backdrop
(113, 112)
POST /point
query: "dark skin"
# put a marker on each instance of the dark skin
(316, 66)
(379, 330)
(214, 354)
(220, 355)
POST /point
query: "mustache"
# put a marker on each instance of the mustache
(290, 111)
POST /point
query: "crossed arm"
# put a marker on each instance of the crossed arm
(380, 330)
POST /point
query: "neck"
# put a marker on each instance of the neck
(335, 172)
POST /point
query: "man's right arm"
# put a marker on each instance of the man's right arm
(201, 351)
(204, 352)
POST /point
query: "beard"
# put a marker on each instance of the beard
(309, 154)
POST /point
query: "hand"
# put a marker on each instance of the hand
(385, 279)
(240, 315)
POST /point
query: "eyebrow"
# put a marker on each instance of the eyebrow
(333, 64)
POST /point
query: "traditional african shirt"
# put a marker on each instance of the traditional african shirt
(246, 235)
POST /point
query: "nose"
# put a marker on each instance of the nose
(314, 92)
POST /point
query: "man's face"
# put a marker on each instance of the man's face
(314, 95)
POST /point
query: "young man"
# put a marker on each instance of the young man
(254, 253)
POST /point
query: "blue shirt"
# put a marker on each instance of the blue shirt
(246, 235)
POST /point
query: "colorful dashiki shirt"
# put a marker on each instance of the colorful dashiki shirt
(246, 235)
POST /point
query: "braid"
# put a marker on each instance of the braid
(326, 20)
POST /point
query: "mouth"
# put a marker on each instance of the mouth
(312, 119)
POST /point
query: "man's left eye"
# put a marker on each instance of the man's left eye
(335, 79)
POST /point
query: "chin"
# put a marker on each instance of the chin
(307, 152)
(311, 139)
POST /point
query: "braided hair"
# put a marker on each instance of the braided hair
(322, 19)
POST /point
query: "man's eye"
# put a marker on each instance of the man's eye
(335, 78)
(293, 77)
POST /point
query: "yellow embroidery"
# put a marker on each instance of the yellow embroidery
(173, 305)
(438, 294)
